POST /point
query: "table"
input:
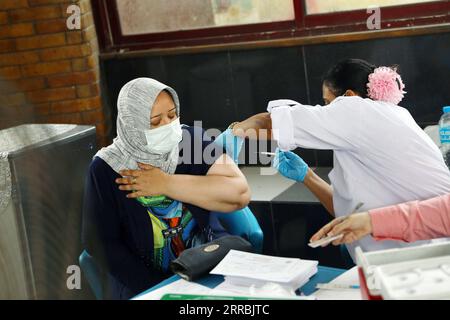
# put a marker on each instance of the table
(323, 275)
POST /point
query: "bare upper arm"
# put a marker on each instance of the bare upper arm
(224, 166)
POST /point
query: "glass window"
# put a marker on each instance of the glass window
(328, 6)
(154, 16)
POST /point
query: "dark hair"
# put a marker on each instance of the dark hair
(349, 74)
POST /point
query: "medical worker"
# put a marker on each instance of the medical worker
(381, 156)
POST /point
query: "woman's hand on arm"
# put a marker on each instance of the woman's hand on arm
(149, 181)
(223, 189)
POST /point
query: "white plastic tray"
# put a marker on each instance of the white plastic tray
(417, 279)
(370, 262)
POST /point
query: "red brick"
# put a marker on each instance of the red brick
(74, 37)
(42, 108)
(9, 73)
(89, 33)
(7, 86)
(65, 52)
(85, 6)
(22, 85)
(12, 100)
(46, 68)
(76, 105)
(43, 41)
(51, 26)
(101, 129)
(12, 59)
(88, 90)
(79, 64)
(16, 30)
(94, 45)
(30, 84)
(13, 4)
(87, 20)
(70, 118)
(73, 78)
(83, 64)
(51, 94)
(3, 18)
(35, 3)
(86, 48)
(93, 117)
(92, 61)
(7, 45)
(35, 13)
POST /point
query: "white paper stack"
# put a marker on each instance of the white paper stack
(248, 269)
(177, 287)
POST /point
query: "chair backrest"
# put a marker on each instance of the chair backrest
(244, 224)
(92, 273)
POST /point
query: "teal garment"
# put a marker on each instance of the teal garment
(231, 143)
(240, 222)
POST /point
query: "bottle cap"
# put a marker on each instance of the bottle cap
(446, 109)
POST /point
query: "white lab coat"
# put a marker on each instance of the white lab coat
(381, 156)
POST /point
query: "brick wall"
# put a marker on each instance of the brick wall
(48, 73)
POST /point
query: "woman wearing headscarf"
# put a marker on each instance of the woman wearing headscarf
(173, 183)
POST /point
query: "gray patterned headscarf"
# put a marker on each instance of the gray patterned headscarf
(134, 106)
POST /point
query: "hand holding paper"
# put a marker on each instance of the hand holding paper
(324, 241)
(344, 230)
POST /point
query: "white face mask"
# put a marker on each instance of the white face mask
(163, 139)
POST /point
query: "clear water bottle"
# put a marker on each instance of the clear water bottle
(444, 134)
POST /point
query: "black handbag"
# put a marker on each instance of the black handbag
(196, 262)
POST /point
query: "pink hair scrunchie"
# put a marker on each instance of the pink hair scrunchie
(385, 84)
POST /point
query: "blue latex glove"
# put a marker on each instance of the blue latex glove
(231, 143)
(290, 165)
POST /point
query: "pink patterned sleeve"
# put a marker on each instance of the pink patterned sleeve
(412, 221)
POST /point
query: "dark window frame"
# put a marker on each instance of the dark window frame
(111, 38)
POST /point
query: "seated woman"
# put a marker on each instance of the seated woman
(134, 236)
